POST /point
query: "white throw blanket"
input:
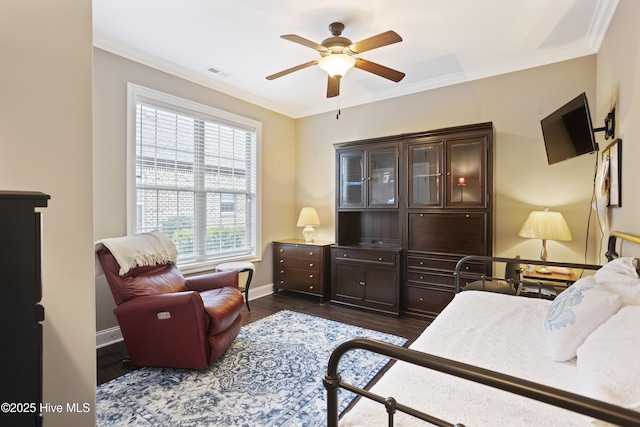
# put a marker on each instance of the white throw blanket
(141, 250)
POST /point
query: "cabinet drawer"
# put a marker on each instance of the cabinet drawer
(444, 264)
(381, 257)
(291, 275)
(297, 251)
(428, 278)
(431, 263)
(428, 300)
(294, 285)
(300, 263)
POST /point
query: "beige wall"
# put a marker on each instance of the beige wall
(111, 74)
(46, 145)
(299, 156)
(524, 181)
(619, 86)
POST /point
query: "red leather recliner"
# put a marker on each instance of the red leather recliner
(169, 321)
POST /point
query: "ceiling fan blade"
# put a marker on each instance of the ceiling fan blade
(333, 87)
(379, 70)
(374, 42)
(301, 40)
(292, 69)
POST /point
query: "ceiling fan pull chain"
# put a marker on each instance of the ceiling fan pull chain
(338, 101)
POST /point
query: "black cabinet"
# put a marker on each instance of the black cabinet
(20, 312)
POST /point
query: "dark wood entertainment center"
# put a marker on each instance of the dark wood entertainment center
(408, 207)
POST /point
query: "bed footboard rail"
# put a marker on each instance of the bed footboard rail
(556, 397)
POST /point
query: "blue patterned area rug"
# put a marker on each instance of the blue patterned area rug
(270, 376)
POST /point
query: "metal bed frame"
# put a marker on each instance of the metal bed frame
(556, 397)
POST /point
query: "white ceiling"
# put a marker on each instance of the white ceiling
(444, 42)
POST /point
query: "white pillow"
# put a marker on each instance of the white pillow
(574, 314)
(621, 277)
(609, 363)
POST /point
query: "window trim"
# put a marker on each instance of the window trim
(137, 93)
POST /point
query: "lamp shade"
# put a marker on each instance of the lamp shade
(337, 64)
(308, 217)
(545, 225)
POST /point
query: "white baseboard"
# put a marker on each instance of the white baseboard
(113, 335)
(108, 336)
(260, 291)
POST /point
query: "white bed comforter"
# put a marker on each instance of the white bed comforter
(490, 330)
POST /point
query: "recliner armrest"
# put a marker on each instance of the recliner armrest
(185, 305)
(206, 282)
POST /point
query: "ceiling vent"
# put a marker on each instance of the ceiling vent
(218, 72)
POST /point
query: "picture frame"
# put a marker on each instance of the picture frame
(613, 175)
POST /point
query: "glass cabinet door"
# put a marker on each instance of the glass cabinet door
(351, 176)
(383, 177)
(466, 173)
(425, 174)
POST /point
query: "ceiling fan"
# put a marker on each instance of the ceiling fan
(337, 54)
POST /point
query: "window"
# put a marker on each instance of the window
(193, 175)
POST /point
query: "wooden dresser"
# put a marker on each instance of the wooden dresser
(302, 267)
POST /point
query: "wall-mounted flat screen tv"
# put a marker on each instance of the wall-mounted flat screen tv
(568, 131)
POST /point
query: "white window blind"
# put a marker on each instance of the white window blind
(196, 178)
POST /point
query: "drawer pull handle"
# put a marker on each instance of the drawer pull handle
(311, 276)
(281, 250)
(421, 277)
(467, 216)
(421, 299)
(421, 214)
(379, 258)
(466, 267)
(282, 282)
(311, 287)
(361, 283)
(421, 263)
(310, 264)
(281, 271)
(345, 255)
(310, 253)
(281, 261)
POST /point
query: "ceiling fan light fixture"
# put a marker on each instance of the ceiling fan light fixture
(337, 64)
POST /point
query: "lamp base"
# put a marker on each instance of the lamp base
(309, 234)
(543, 252)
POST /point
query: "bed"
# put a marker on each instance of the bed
(491, 359)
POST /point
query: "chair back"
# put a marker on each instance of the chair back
(140, 281)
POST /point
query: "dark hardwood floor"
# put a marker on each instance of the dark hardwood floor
(109, 359)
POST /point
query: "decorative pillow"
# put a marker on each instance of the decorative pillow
(620, 276)
(574, 314)
(608, 365)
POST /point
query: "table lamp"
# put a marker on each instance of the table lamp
(308, 219)
(545, 225)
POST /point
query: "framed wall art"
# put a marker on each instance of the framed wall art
(612, 161)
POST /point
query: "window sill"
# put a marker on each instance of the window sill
(210, 266)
